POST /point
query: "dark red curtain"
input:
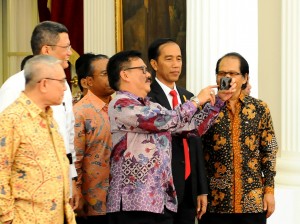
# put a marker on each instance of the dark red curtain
(69, 13)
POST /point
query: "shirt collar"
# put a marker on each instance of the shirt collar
(32, 108)
(244, 99)
(145, 100)
(96, 100)
(165, 88)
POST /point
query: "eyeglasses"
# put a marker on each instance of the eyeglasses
(68, 47)
(143, 68)
(231, 73)
(62, 81)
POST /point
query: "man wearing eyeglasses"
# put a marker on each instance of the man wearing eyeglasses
(240, 151)
(93, 141)
(34, 169)
(141, 188)
(48, 38)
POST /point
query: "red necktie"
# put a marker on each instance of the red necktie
(173, 93)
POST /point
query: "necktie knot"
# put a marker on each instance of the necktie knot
(173, 93)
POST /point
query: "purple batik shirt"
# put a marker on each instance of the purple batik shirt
(140, 176)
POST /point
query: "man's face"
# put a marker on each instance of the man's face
(169, 64)
(62, 50)
(139, 78)
(56, 85)
(99, 84)
(232, 64)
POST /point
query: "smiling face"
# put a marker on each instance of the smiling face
(61, 50)
(168, 64)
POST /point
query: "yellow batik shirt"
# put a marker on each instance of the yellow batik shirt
(240, 152)
(34, 169)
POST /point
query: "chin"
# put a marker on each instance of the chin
(65, 64)
(148, 90)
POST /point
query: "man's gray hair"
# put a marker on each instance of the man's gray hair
(34, 69)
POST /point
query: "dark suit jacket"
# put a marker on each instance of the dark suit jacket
(198, 172)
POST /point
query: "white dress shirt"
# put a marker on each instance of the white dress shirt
(167, 90)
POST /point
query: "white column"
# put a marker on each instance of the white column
(99, 27)
(217, 27)
(289, 161)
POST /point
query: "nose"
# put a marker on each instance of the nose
(70, 52)
(65, 86)
(176, 63)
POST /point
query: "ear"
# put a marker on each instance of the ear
(246, 78)
(43, 85)
(89, 81)
(124, 75)
(153, 63)
(83, 83)
(45, 50)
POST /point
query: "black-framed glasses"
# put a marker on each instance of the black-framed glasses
(62, 81)
(68, 47)
(231, 73)
(143, 68)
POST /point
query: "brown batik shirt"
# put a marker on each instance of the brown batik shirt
(240, 153)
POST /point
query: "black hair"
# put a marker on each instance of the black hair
(117, 63)
(153, 50)
(23, 62)
(46, 33)
(244, 66)
(81, 67)
(84, 67)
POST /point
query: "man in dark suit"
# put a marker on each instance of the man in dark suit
(165, 58)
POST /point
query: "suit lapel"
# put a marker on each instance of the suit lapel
(183, 97)
(158, 95)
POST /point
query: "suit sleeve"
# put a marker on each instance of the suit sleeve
(202, 184)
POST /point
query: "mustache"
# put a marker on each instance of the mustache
(149, 79)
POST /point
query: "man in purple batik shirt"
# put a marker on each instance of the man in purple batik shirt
(141, 184)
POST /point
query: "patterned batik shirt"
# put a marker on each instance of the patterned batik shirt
(93, 146)
(240, 152)
(34, 169)
(141, 177)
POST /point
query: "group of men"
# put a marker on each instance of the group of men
(153, 153)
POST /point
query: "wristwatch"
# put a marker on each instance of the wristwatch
(196, 100)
